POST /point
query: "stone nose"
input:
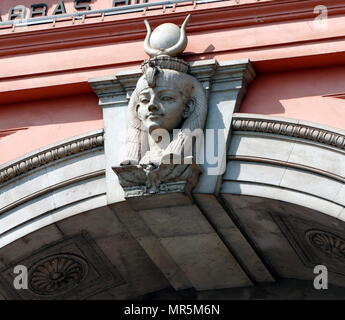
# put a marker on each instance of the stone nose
(153, 106)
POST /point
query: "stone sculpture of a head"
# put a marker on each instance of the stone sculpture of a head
(166, 97)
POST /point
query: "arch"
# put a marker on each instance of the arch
(51, 184)
(288, 160)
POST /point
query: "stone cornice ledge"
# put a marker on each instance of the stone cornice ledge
(117, 89)
(129, 29)
(48, 154)
(290, 127)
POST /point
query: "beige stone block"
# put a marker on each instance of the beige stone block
(176, 221)
(165, 263)
(254, 145)
(206, 261)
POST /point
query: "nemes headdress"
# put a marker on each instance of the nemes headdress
(163, 45)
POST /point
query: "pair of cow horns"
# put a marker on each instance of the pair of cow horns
(172, 51)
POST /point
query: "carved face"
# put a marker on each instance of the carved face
(161, 107)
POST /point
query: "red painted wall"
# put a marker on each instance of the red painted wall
(5, 5)
(45, 96)
(315, 95)
(42, 122)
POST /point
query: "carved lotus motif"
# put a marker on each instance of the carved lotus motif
(57, 274)
(328, 243)
(138, 180)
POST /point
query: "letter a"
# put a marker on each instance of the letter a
(127, 310)
(20, 281)
(321, 280)
(60, 8)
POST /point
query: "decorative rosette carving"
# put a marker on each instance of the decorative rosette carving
(327, 243)
(57, 274)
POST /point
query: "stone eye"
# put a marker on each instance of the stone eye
(167, 98)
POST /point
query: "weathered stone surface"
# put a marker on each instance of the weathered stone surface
(277, 193)
(171, 270)
(165, 186)
(27, 244)
(278, 227)
(167, 234)
(206, 261)
(233, 238)
(152, 245)
(173, 222)
(283, 289)
(191, 241)
(105, 231)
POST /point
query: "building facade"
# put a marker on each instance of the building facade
(273, 75)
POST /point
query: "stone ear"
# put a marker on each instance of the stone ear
(189, 108)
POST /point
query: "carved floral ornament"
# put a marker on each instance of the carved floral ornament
(327, 243)
(167, 102)
(57, 274)
(289, 129)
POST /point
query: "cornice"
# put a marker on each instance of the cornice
(50, 154)
(120, 30)
(290, 128)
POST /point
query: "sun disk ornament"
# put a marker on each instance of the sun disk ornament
(166, 39)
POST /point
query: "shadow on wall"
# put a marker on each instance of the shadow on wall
(5, 133)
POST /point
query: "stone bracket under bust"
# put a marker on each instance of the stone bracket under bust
(140, 181)
(167, 109)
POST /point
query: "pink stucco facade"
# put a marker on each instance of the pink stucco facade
(45, 97)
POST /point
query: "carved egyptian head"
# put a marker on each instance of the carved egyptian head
(166, 96)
